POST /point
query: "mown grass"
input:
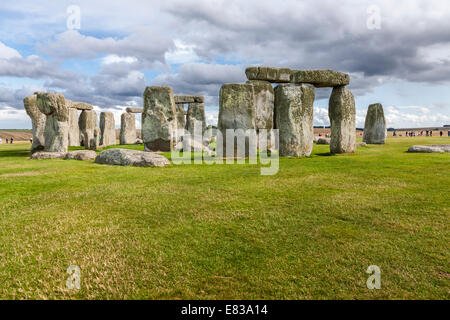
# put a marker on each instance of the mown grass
(225, 231)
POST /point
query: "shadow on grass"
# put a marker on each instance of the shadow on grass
(325, 154)
(14, 153)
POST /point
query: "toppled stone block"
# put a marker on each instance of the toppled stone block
(41, 155)
(320, 78)
(342, 113)
(439, 148)
(294, 119)
(159, 122)
(127, 128)
(274, 75)
(84, 155)
(124, 157)
(375, 130)
(37, 121)
(189, 99)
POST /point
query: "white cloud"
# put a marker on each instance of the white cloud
(113, 58)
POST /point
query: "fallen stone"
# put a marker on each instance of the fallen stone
(342, 113)
(159, 122)
(135, 110)
(56, 132)
(89, 130)
(274, 75)
(127, 128)
(107, 129)
(430, 148)
(361, 144)
(189, 99)
(375, 131)
(81, 155)
(74, 129)
(37, 122)
(139, 141)
(294, 119)
(321, 78)
(124, 157)
(322, 140)
(40, 155)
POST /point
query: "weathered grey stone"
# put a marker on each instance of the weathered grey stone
(123, 157)
(361, 144)
(37, 122)
(181, 116)
(40, 155)
(375, 131)
(127, 128)
(323, 140)
(189, 99)
(294, 119)
(107, 129)
(56, 131)
(275, 75)
(81, 106)
(236, 110)
(430, 148)
(196, 116)
(264, 104)
(159, 122)
(342, 112)
(320, 78)
(81, 155)
(74, 129)
(135, 110)
(89, 130)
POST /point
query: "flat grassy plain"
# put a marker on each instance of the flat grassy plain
(225, 231)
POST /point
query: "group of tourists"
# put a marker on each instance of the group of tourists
(426, 133)
(11, 140)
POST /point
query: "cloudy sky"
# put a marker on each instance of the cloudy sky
(397, 52)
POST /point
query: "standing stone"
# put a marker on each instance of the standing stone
(37, 122)
(56, 132)
(342, 112)
(127, 128)
(195, 114)
(294, 119)
(159, 120)
(107, 129)
(74, 129)
(90, 132)
(264, 104)
(375, 131)
(236, 111)
(181, 116)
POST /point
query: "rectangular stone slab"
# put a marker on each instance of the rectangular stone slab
(189, 99)
(81, 106)
(135, 110)
(321, 78)
(274, 75)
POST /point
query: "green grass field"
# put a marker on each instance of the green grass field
(225, 231)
